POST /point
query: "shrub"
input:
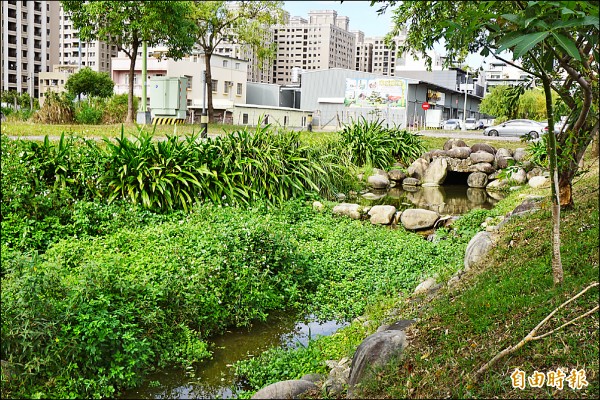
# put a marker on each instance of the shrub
(115, 109)
(89, 112)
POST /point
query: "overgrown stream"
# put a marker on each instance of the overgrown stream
(215, 378)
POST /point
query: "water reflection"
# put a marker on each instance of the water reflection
(447, 199)
(215, 378)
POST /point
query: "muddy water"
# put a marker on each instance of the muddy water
(215, 378)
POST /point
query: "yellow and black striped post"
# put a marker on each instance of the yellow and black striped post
(167, 121)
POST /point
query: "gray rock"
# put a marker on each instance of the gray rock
(536, 171)
(417, 168)
(382, 215)
(338, 377)
(291, 389)
(436, 173)
(411, 182)
(372, 196)
(424, 286)
(483, 147)
(477, 180)
(378, 181)
(504, 162)
(376, 350)
(439, 153)
(454, 143)
(519, 176)
(377, 171)
(340, 196)
(482, 167)
(482, 156)
(519, 154)
(459, 152)
(417, 218)
(396, 175)
(347, 209)
(314, 378)
(503, 152)
(477, 249)
(497, 184)
(539, 182)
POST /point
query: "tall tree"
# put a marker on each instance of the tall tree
(127, 24)
(90, 83)
(557, 42)
(242, 22)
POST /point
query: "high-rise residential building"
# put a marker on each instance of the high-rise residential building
(94, 54)
(29, 43)
(321, 42)
(373, 55)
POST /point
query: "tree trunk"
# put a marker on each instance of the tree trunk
(557, 269)
(210, 109)
(132, 58)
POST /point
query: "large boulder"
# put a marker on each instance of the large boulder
(519, 176)
(504, 152)
(411, 182)
(459, 152)
(337, 381)
(417, 218)
(417, 168)
(497, 184)
(520, 154)
(483, 147)
(396, 175)
(482, 156)
(436, 173)
(291, 389)
(382, 215)
(376, 350)
(482, 167)
(348, 209)
(378, 181)
(453, 143)
(477, 180)
(439, 153)
(539, 182)
(503, 162)
(477, 249)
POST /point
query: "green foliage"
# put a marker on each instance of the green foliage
(115, 109)
(89, 112)
(370, 144)
(88, 82)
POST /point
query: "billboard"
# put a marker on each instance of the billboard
(362, 92)
(434, 97)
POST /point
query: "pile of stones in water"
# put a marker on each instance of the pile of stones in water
(483, 163)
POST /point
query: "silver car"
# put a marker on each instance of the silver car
(516, 127)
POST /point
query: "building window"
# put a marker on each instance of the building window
(226, 86)
(239, 89)
(245, 119)
(237, 65)
(225, 62)
(213, 84)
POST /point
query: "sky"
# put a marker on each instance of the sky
(362, 16)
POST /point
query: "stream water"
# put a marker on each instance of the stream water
(215, 378)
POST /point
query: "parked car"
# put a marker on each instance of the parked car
(516, 127)
(452, 124)
(470, 124)
(558, 126)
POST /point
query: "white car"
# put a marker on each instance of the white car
(516, 127)
(470, 124)
(452, 124)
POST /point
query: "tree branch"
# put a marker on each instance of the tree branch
(531, 335)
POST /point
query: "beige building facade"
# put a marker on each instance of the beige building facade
(29, 43)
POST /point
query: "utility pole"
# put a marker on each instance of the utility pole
(464, 122)
(204, 115)
(143, 116)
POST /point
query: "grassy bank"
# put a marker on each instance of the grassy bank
(493, 307)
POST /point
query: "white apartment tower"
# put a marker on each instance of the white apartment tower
(321, 42)
(94, 54)
(29, 43)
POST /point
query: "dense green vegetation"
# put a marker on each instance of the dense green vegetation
(121, 256)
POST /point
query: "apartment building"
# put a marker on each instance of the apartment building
(500, 73)
(228, 83)
(29, 43)
(321, 42)
(373, 55)
(94, 54)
